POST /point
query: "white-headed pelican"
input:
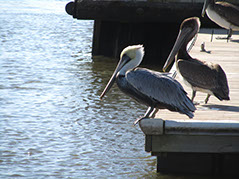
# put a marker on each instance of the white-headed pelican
(154, 89)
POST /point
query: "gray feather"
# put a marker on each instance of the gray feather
(162, 88)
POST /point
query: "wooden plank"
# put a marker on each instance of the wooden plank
(230, 164)
(181, 163)
(227, 55)
(195, 144)
(136, 11)
(223, 165)
(110, 38)
(148, 143)
(152, 126)
(194, 127)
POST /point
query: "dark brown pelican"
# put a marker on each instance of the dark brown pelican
(199, 75)
(224, 14)
(154, 89)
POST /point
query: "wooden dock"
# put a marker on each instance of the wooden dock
(209, 143)
(119, 23)
(206, 144)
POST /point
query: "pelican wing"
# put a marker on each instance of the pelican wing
(199, 74)
(161, 88)
(229, 11)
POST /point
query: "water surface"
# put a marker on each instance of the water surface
(52, 123)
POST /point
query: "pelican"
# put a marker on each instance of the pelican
(224, 14)
(154, 89)
(199, 75)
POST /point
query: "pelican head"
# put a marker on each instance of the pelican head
(188, 29)
(130, 58)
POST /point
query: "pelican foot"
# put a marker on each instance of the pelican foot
(137, 120)
(223, 38)
(196, 103)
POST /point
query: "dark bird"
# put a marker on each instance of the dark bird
(154, 89)
(199, 75)
(224, 14)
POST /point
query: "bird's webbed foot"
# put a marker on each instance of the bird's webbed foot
(151, 112)
(196, 103)
(222, 38)
(139, 119)
(228, 38)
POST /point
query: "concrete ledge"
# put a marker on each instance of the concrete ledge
(193, 147)
(189, 127)
(152, 126)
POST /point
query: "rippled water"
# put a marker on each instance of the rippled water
(52, 123)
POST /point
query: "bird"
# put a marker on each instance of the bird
(224, 14)
(199, 75)
(151, 88)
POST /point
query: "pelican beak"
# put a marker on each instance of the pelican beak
(120, 65)
(182, 35)
(206, 2)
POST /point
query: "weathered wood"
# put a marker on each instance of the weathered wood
(181, 163)
(169, 11)
(148, 143)
(135, 11)
(152, 126)
(193, 127)
(110, 38)
(195, 144)
(227, 55)
(121, 23)
(220, 165)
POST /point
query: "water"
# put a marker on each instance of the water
(52, 123)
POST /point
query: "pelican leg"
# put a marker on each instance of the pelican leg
(212, 35)
(146, 115)
(193, 95)
(207, 98)
(154, 112)
(229, 34)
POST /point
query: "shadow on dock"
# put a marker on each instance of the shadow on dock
(236, 40)
(218, 107)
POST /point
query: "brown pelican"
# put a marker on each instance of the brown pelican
(154, 89)
(224, 14)
(199, 75)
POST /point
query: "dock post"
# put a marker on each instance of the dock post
(190, 163)
(110, 38)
